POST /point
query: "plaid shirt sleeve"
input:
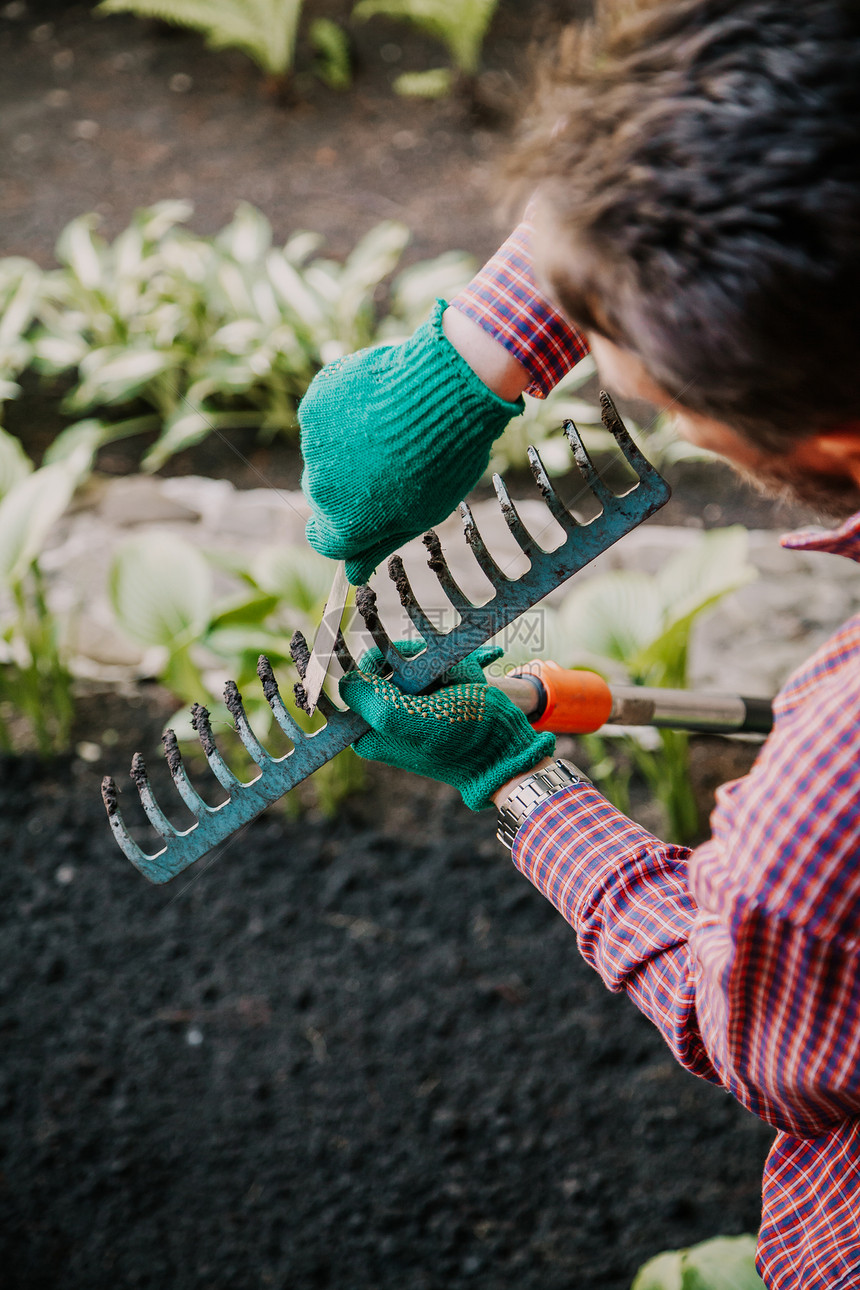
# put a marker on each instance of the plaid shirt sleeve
(746, 951)
(504, 299)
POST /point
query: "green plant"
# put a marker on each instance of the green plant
(187, 335)
(163, 595)
(460, 25)
(333, 63)
(20, 288)
(35, 682)
(637, 626)
(263, 29)
(723, 1263)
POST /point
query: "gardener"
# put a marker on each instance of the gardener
(697, 224)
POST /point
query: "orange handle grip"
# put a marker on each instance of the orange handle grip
(577, 702)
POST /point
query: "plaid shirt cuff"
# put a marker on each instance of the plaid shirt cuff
(504, 300)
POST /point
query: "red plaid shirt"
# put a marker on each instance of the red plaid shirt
(745, 952)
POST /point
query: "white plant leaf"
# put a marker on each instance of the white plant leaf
(157, 220)
(303, 302)
(161, 590)
(187, 427)
(14, 462)
(78, 248)
(115, 374)
(416, 289)
(18, 311)
(704, 571)
(248, 237)
(301, 245)
(613, 615)
(295, 574)
(30, 510)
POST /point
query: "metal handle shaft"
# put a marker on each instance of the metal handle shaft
(544, 687)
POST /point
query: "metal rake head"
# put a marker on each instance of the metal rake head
(477, 624)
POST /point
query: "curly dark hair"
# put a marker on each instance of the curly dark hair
(700, 163)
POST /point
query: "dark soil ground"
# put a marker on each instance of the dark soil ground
(353, 1054)
(358, 1054)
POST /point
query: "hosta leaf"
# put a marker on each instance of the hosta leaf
(78, 248)
(30, 509)
(296, 575)
(231, 642)
(161, 590)
(416, 289)
(725, 1263)
(375, 256)
(115, 375)
(242, 610)
(300, 298)
(157, 220)
(248, 237)
(14, 462)
(614, 615)
(17, 312)
(434, 83)
(704, 571)
(660, 1273)
(58, 353)
(186, 428)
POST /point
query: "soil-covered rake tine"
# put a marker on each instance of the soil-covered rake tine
(422, 624)
(511, 516)
(555, 505)
(479, 548)
(477, 624)
(439, 565)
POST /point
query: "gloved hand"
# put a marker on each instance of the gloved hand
(393, 439)
(469, 734)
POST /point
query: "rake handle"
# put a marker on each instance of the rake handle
(576, 702)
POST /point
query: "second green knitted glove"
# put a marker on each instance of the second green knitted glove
(469, 735)
(393, 439)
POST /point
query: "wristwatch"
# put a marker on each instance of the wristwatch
(528, 795)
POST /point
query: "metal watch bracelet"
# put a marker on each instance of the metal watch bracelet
(528, 795)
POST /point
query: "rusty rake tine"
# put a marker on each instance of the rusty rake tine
(365, 603)
(218, 766)
(519, 531)
(479, 549)
(439, 565)
(422, 624)
(616, 427)
(154, 813)
(586, 466)
(233, 700)
(288, 724)
(301, 654)
(342, 653)
(555, 505)
(184, 787)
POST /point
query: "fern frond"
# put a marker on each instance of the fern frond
(459, 24)
(263, 29)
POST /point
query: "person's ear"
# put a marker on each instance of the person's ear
(832, 452)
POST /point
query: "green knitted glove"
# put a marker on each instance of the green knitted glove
(469, 735)
(393, 439)
(469, 671)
